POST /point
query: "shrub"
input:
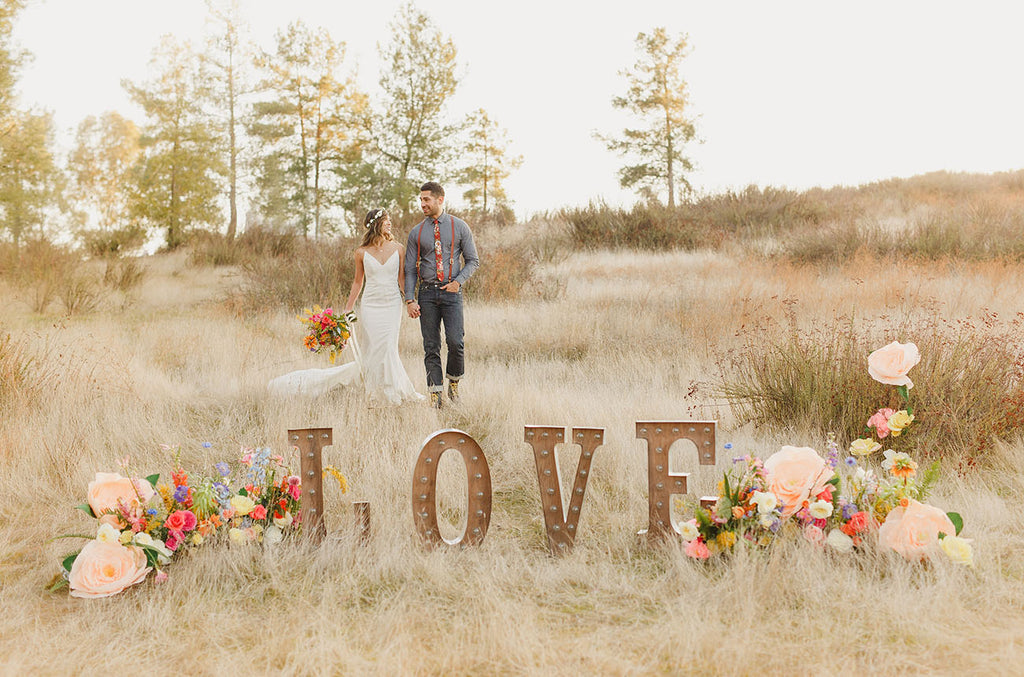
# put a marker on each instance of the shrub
(214, 249)
(505, 274)
(305, 273)
(968, 380)
(23, 376)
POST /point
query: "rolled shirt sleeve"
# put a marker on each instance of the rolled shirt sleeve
(469, 255)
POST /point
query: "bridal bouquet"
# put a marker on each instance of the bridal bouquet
(326, 331)
(143, 524)
(796, 491)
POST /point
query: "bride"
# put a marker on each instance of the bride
(380, 261)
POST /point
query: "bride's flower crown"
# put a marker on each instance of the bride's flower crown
(376, 216)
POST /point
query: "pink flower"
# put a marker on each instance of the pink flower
(880, 422)
(826, 494)
(173, 539)
(258, 513)
(913, 531)
(814, 534)
(295, 491)
(180, 521)
(160, 577)
(105, 569)
(794, 475)
(890, 364)
(697, 549)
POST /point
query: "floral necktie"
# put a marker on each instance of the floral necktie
(438, 261)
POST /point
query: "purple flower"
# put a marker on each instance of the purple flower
(848, 510)
(222, 468)
(851, 462)
(727, 446)
(181, 494)
(206, 445)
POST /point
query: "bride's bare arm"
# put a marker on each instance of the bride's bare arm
(357, 282)
(401, 270)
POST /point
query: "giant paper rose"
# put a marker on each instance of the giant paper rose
(109, 490)
(891, 363)
(913, 531)
(794, 475)
(105, 569)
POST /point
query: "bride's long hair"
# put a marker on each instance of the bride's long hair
(374, 224)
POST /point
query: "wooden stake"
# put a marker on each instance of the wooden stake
(310, 442)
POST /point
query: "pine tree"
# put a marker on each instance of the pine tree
(176, 180)
(488, 163)
(656, 94)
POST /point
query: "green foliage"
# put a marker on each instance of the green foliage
(100, 166)
(412, 135)
(30, 181)
(656, 94)
(488, 165)
(175, 186)
(308, 122)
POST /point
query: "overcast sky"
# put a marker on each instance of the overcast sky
(792, 94)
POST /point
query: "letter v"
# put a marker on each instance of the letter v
(559, 525)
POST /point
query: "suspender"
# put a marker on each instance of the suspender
(451, 249)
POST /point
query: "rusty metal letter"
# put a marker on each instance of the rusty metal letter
(662, 484)
(560, 526)
(424, 486)
(310, 442)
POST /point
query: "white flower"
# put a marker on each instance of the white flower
(108, 534)
(766, 520)
(820, 509)
(272, 535)
(765, 501)
(285, 521)
(236, 535)
(689, 530)
(839, 541)
(163, 554)
(892, 457)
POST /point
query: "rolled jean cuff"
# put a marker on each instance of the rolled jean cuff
(452, 378)
(435, 389)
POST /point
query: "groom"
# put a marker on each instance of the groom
(432, 258)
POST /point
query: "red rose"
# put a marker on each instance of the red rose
(181, 521)
(857, 523)
(258, 513)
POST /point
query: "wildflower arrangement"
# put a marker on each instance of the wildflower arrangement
(326, 331)
(797, 491)
(143, 524)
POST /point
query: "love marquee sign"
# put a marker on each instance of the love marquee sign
(561, 525)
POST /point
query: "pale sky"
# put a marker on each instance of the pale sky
(793, 94)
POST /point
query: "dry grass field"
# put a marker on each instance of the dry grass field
(625, 336)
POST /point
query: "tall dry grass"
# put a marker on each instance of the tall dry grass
(632, 336)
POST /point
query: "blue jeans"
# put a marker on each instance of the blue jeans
(437, 307)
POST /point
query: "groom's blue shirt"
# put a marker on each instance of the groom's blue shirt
(459, 265)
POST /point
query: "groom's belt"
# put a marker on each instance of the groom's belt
(433, 283)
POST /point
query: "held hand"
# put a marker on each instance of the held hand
(413, 309)
(350, 317)
(452, 286)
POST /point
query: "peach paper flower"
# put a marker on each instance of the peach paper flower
(795, 474)
(913, 531)
(891, 363)
(108, 490)
(105, 569)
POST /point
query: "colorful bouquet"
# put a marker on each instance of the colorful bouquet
(144, 524)
(326, 331)
(796, 490)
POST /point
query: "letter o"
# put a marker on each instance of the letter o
(424, 486)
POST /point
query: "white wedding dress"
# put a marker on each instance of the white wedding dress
(380, 318)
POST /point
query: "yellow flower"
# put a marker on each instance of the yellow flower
(864, 447)
(197, 539)
(898, 421)
(958, 550)
(726, 539)
(243, 505)
(336, 474)
(236, 535)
